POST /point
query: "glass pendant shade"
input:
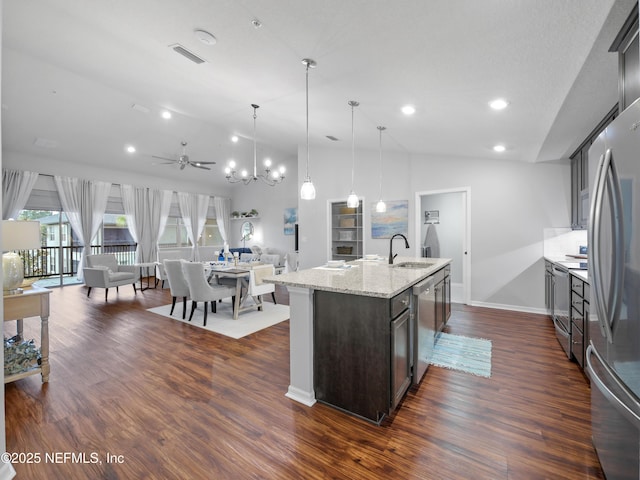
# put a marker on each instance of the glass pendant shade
(381, 207)
(352, 200)
(308, 191)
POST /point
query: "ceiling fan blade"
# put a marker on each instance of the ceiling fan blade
(199, 166)
(165, 158)
(203, 163)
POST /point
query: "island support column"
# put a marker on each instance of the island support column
(301, 346)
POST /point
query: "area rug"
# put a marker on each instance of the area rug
(222, 321)
(466, 354)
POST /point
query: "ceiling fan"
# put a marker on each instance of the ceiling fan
(183, 160)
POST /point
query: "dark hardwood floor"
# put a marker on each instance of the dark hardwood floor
(178, 402)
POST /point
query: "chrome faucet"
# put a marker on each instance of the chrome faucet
(391, 255)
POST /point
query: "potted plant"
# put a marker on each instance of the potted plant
(235, 214)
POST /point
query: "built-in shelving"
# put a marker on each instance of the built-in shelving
(347, 231)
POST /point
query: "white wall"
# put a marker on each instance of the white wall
(511, 205)
(330, 171)
(270, 203)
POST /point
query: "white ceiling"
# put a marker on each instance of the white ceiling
(72, 69)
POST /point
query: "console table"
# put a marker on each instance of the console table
(33, 302)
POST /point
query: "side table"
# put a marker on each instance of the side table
(148, 266)
(33, 302)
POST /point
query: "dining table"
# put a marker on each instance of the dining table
(240, 273)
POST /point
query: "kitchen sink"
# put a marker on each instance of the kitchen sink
(413, 265)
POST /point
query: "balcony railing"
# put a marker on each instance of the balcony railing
(48, 261)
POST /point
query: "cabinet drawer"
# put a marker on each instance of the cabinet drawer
(577, 322)
(577, 346)
(400, 303)
(577, 286)
(576, 302)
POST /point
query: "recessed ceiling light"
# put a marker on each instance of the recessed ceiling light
(166, 114)
(205, 37)
(131, 149)
(499, 148)
(234, 138)
(498, 104)
(408, 109)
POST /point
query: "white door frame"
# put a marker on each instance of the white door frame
(466, 244)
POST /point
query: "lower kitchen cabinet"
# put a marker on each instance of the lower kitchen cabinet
(442, 284)
(548, 287)
(362, 351)
(579, 319)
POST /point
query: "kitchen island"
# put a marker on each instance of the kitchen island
(342, 323)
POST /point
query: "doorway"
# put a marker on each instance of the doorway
(443, 229)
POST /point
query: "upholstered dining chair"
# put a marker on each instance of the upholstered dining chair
(177, 284)
(257, 287)
(201, 291)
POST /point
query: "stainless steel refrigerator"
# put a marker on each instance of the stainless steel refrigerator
(613, 354)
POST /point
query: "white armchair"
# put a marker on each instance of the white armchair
(103, 271)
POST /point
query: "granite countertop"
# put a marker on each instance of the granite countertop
(371, 278)
(565, 260)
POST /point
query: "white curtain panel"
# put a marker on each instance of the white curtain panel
(131, 198)
(84, 203)
(16, 188)
(160, 204)
(147, 211)
(193, 208)
(223, 213)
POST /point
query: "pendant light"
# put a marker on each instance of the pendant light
(308, 191)
(381, 207)
(352, 199)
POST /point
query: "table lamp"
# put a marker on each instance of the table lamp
(17, 235)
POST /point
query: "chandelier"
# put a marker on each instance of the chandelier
(269, 177)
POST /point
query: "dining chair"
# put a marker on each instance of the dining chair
(257, 287)
(177, 283)
(201, 291)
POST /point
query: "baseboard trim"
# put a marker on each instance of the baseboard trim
(306, 398)
(516, 308)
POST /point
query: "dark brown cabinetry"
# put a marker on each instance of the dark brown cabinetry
(580, 175)
(548, 287)
(361, 352)
(579, 318)
(442, 282)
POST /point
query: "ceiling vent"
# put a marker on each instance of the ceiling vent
(186, 53)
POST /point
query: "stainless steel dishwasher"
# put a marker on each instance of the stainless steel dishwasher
(424, 338)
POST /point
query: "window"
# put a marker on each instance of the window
(175, 234)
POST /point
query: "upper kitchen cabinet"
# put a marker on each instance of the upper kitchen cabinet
(580, 174)
(626, 44)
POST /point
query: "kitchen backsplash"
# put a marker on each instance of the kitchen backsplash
(563, 241)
